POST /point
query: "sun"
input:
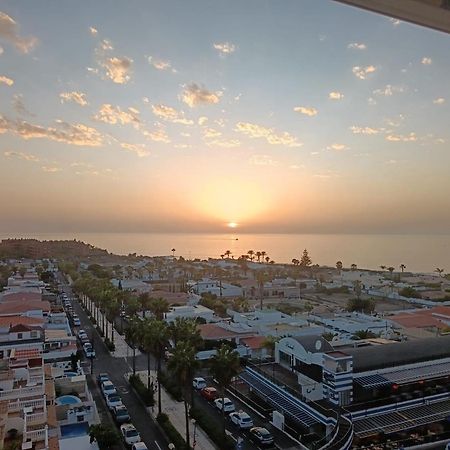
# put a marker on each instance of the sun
(232, 225)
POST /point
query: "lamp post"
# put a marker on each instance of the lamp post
(194, 442)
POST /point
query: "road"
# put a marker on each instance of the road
(116, 369)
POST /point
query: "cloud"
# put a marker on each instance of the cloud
(427, 61)
(114, 115)
(1, 50)
(262, 160)
(159, 135)
(9, 32)
(394, 22)
(389, 90)
(194, 95)
(74, 134)
(51, 169)
(365, 130)
(362, 72)
(231, 143)
(307, 111)
(337, 147)
(439, 101)
(6, 80)
(225, 48)
(77, 97)
(170, 114)
(21, 155)
(371, 101)
(335, 95)
(118, 69)
(20, 107)
(296, 166)
(93, 31)
(357, 46)
(139, 149)
(160, 64)
(269, 134)
(202, 120)
(411, 137)
(210, 133)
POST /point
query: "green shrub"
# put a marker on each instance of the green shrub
(174, 437)
(171, 386)
(210, 426)
(409, 292)
(142, 391)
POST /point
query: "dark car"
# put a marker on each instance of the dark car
(101, 377)
(261, 436)
(120, 414)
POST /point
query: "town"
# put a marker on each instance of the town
(107, 351)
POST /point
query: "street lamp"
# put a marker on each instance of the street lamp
(194, 442)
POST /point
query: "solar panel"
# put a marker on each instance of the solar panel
(371, 381)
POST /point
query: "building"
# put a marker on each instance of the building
(190, 312)
(217, 287)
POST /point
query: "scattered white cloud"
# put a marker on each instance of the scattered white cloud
(335, 95)
(74, 96)
(326, 175)
(93, 31)
(296, 166)
(269, 134)
(202, 120)
(9, 32)
(391, 161)
(426, 61)
(362, 72)
(160, 64)
(337, 147)
(371, 101)
(139, 149)
(230, 143)
(21, 155)
(225, 48)
(439, 101)
(210, 133)
(395, 122)
(115, 115)
(262, 160)
(74, 134)
(194, 95)
(306, 110)
(365, 130)
(118, 69)
(51, 169)
(106, 45)
(411, 137)
(1, 50)
(170, 114)
(158, 135)
(6, 80)
(357, 46)
(19, 106)
(394, 22)
(389, 90)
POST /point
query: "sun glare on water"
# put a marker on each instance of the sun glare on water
(232, 224)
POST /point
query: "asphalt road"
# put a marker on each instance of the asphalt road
(116, 369)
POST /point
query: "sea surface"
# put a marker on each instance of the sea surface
(420, 253)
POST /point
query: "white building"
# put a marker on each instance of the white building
(190, 312)
(219, 288)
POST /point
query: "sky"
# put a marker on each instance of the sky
(303, 116)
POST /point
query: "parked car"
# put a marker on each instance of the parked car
(108, 388)
(112, 401)
(209, 393)
(101, 377)
(130, 434)
(76, 321)
(228, 405)
(199, 383)
(88, 350)
(241, 419)
(139, 446)
(261, 436)
(120, 414)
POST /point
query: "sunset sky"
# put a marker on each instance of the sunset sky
(296, 116)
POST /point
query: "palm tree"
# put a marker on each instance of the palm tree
(146, 341)
(224, 366)
(144, 300)
(112, 313)
(263, 254)
(132, 337)
(269, 344)
(251, 253)
(353, 266)
(228, 254)
(173, 252)
(183, 364)
(186, 330)
(159, 338)
(258, 256)
(158, 307)
(295, 261)
(267, 260)
(439, 271)
(105, 435)
(391, 271)
(382, 267)
(339, 266)
(402, 267)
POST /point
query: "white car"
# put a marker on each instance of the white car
(108, 388)
(130, 434)
(113, 400)
(241, 419)
(228, 405)
(199, 383)
(76, 321)
(88, 350)
(139, 446)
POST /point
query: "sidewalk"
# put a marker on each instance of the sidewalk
(175, 411)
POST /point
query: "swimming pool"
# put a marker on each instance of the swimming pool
(70, 374)
(75, 429)
(67, 400)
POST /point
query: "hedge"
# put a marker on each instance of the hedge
(210, 427)
(171, 386)
(174, 437)
(142, 391)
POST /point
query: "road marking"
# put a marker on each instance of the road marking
(156, 442)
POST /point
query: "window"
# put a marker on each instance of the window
(19, 335)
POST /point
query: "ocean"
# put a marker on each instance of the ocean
(420, 253)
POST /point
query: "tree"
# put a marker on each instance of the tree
(295, 262)
(353, 267)
(357, 287)
(269, 344)
(251, 254)
(263, 255)
(363, 334)
(383, 267)
(258, 256)
(183, 364)
(305, 260)
(228, 254)
(224, 366)
(339, 267)
(439, 271)
(158, 307)
(391, 270)
(105, 435)
(132, 337)
(144, 302)
(402, 267)
(173, 252)
(186, 330)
